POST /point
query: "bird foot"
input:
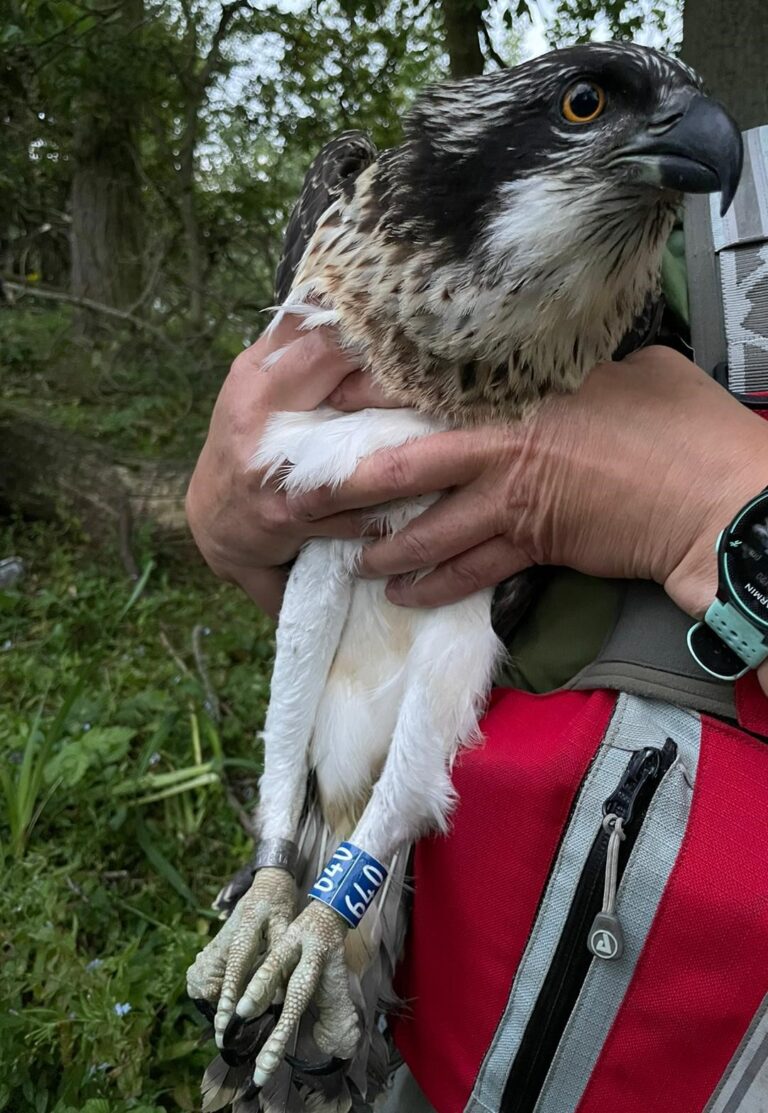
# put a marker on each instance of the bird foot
(307, 964)
(259, 921)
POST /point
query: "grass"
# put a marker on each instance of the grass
(122, 772)
(125, 766)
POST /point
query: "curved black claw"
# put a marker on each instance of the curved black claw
(316, 1069)
(234, 890)
(207, 1009)
(241, 1043)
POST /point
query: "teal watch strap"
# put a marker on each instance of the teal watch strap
(738, 632)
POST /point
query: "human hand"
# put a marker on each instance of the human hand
(244, 528)
(633, 476)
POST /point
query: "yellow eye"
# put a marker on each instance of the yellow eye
(583, 102)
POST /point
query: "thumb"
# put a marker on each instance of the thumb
(304, 371)
(358, 391)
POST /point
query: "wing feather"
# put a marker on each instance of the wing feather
(333, 171)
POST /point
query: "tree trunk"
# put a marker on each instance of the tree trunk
(188, 208)
(462, 21)
(726, 41)
(106, 185)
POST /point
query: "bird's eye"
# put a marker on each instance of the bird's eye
(583, 102)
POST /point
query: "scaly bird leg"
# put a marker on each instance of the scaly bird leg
(311, 621)
(449, 673)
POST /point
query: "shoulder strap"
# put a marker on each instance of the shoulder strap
(727, 261)
(646, 653)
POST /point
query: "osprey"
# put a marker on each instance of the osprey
(505, 248)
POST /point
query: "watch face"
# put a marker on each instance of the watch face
(745, 558)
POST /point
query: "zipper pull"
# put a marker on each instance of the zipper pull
(606, 938)
(645, 770)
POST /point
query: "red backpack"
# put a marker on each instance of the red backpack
(508, 1010)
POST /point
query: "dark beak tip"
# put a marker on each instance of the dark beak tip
(730, 186)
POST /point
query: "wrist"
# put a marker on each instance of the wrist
(692, 583)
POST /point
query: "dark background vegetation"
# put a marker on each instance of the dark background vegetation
(150, 152)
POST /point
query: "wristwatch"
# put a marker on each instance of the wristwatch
(734, 634)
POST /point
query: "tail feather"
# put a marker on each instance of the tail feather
(223, 1084)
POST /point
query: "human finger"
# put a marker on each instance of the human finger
(762, 677)
(346, 526)
(300, 374)
(420, 467)
(358, 391)
(455, 523)
(484, 566)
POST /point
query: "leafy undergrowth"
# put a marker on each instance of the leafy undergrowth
(124, 753)
(128, 390)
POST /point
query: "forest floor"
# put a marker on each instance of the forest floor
(128, 750)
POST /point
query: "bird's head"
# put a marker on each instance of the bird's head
(605, 127)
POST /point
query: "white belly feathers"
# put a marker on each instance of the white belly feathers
(364, 687)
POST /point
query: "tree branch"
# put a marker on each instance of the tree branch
(88, 303)
(228, 13)
(489, 47)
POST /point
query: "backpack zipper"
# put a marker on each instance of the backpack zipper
(592, 928)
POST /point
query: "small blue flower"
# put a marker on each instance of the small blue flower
(94, 964)
(122, 1009)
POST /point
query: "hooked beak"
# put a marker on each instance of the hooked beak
(697, 149)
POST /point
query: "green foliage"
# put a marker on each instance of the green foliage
(123, 390)
(129, 782)
(227, 112)
(577, 20)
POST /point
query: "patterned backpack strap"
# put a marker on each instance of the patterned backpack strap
(727, 259)
(647, 653)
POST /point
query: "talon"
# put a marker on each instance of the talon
(221, 1023)
(233, 1029)
(207, 1008)
(247, 1006)
(314, 1069)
